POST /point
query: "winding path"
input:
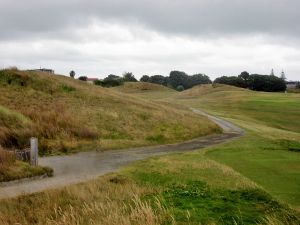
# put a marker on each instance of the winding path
(88, 165)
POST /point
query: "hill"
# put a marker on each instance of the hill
(68, 114)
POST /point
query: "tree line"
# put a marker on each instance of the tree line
(255, 82)
(180, 81)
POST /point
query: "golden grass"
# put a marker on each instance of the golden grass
(108, 200)
(66, 113)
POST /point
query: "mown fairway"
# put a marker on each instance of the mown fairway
(269, 153)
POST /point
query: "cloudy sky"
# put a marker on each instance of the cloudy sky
(100, 37)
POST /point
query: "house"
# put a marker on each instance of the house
(291, 84)
(91, 80)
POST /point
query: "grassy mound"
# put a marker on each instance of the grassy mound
(133, 87)
(71, 115)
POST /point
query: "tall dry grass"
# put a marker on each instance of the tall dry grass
(7, 158)
(111, 200)
(67, 114)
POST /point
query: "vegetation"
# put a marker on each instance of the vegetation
(72, 73)
(252, 180)
(68, 115)
(11, 169)
(176, 189)
(268, 154)
(129, 77)
(177, 80)
(83, 78)
(254, 82)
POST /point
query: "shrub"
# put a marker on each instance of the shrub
(180, 88)
(83, 78)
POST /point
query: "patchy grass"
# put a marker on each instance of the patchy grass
(68, 115)
(176, 189)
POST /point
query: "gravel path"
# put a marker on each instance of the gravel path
(88, 165)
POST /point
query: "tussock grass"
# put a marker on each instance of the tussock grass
(109, 200)
(69, 115)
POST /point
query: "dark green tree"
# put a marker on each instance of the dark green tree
(129, 77)
(83, 78)
(72, 73)
(145, 78)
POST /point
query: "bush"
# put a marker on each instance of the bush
(180, 88)
(83, 78)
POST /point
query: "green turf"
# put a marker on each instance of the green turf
(196, 190)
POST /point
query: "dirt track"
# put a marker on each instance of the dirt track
(88, 165)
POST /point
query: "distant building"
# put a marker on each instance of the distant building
(291, 84)
(91, 80)
(49, 71)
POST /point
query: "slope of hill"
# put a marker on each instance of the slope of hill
(70, 114)
(269, 153)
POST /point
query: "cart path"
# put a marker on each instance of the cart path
(84, 166)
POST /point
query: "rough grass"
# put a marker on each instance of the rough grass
(108, 200)
(69, 115)
(175, 189)
(12, 169)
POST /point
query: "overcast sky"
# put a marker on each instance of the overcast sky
(97, 38)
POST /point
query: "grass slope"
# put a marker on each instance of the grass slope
(70, 115)
(227, 184)
(269, 153)
(176, 189)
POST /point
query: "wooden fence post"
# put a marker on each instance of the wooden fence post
(34, 150)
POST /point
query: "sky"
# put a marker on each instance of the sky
(100, 37)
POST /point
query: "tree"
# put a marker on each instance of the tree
(244, 75)
(158, 79)
(145, 78)
(234, 81)
(197, 79)
(298, 85)
(112, 81)
(129, 77)
(83, 78)
(72, 73)
(266, 83)
(177, 78)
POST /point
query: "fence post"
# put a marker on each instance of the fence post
(34, 149)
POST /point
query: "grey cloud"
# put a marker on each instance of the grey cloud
(37, 18)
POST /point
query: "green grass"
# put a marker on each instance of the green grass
(20, 170)
(196, 190)
(268, 154)
(267, 162)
